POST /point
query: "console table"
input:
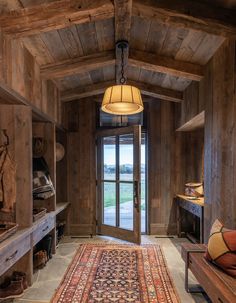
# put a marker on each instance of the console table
(195, 207)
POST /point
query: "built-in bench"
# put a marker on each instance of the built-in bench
(219, 286)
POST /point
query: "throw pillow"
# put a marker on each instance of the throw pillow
(221, 249)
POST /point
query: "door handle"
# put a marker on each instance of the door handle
(136, 195)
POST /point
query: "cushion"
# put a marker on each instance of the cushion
(221, 248)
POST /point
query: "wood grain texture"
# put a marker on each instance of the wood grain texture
(166, 65)
(99, 88)
(77, 65)
(162, 167)
(55, 15)
(158, 91)
(82, 169)
(192, 105)
(85, 91)
(123, 14)
(220, 151)
(188, 14)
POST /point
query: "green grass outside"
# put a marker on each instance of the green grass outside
(126, 193)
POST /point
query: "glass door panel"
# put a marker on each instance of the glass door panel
(118, 172)
(126, 209)
(109, 158)
(109, 203)
(126, 157)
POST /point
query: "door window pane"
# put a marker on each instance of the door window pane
(109, 203)
(109, 158)
(126, 157)
(126, 205)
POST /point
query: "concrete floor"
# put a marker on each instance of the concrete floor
(47, 279)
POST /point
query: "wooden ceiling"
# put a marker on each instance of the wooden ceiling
(73, 41)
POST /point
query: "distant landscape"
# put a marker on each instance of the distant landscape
(124, 169)
(126, 189)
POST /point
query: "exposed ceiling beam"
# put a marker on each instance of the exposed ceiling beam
(99, 88)
(158, 91)
(189, 14)
(138, 59)
(77, 65)
(165, 65)
(54, 15)
(123, 14)
(85, 91)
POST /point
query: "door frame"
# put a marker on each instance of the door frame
(115, 231)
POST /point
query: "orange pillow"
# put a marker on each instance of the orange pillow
(221, 248)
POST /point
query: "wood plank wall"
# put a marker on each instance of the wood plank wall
(194, 155)
(220, 138)
(20, 71)
(192, 104)
(164, 167)
(81, 151)
(216, 95)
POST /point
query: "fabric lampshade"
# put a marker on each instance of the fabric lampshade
(122, 100)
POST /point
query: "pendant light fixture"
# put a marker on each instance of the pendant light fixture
(122, 99)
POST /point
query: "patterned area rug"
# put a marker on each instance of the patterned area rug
(117, 273)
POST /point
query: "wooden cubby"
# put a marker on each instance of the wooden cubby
(22, 125)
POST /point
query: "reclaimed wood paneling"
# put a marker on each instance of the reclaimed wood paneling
(50, 100)
(194, 156)
(188, 15)
(81, 180)
(61, 169)
(220, 134)
(163, 173)
(22, 74)
(192, 104)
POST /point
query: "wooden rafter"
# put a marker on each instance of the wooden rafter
(85, 91)
(123, 14)
(139, 59)
(189, 14)
(54, 15)
(78, 65)
(165, 65)
(99, 88)
(158, 92)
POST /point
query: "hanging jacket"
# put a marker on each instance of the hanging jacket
(7, 180)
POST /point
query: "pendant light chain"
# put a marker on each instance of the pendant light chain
(122, 79)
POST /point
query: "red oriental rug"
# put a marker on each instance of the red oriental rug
(117, 273)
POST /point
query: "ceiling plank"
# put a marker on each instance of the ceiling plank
(99, 88)
(158, 91)
(85, 91)
(54, 15)
(77, 65)
(123, 14)
(165, 65)
(189, 14)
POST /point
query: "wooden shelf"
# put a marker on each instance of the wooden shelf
(61, 206)
(198, 201)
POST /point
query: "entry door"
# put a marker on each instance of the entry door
(118, 183)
